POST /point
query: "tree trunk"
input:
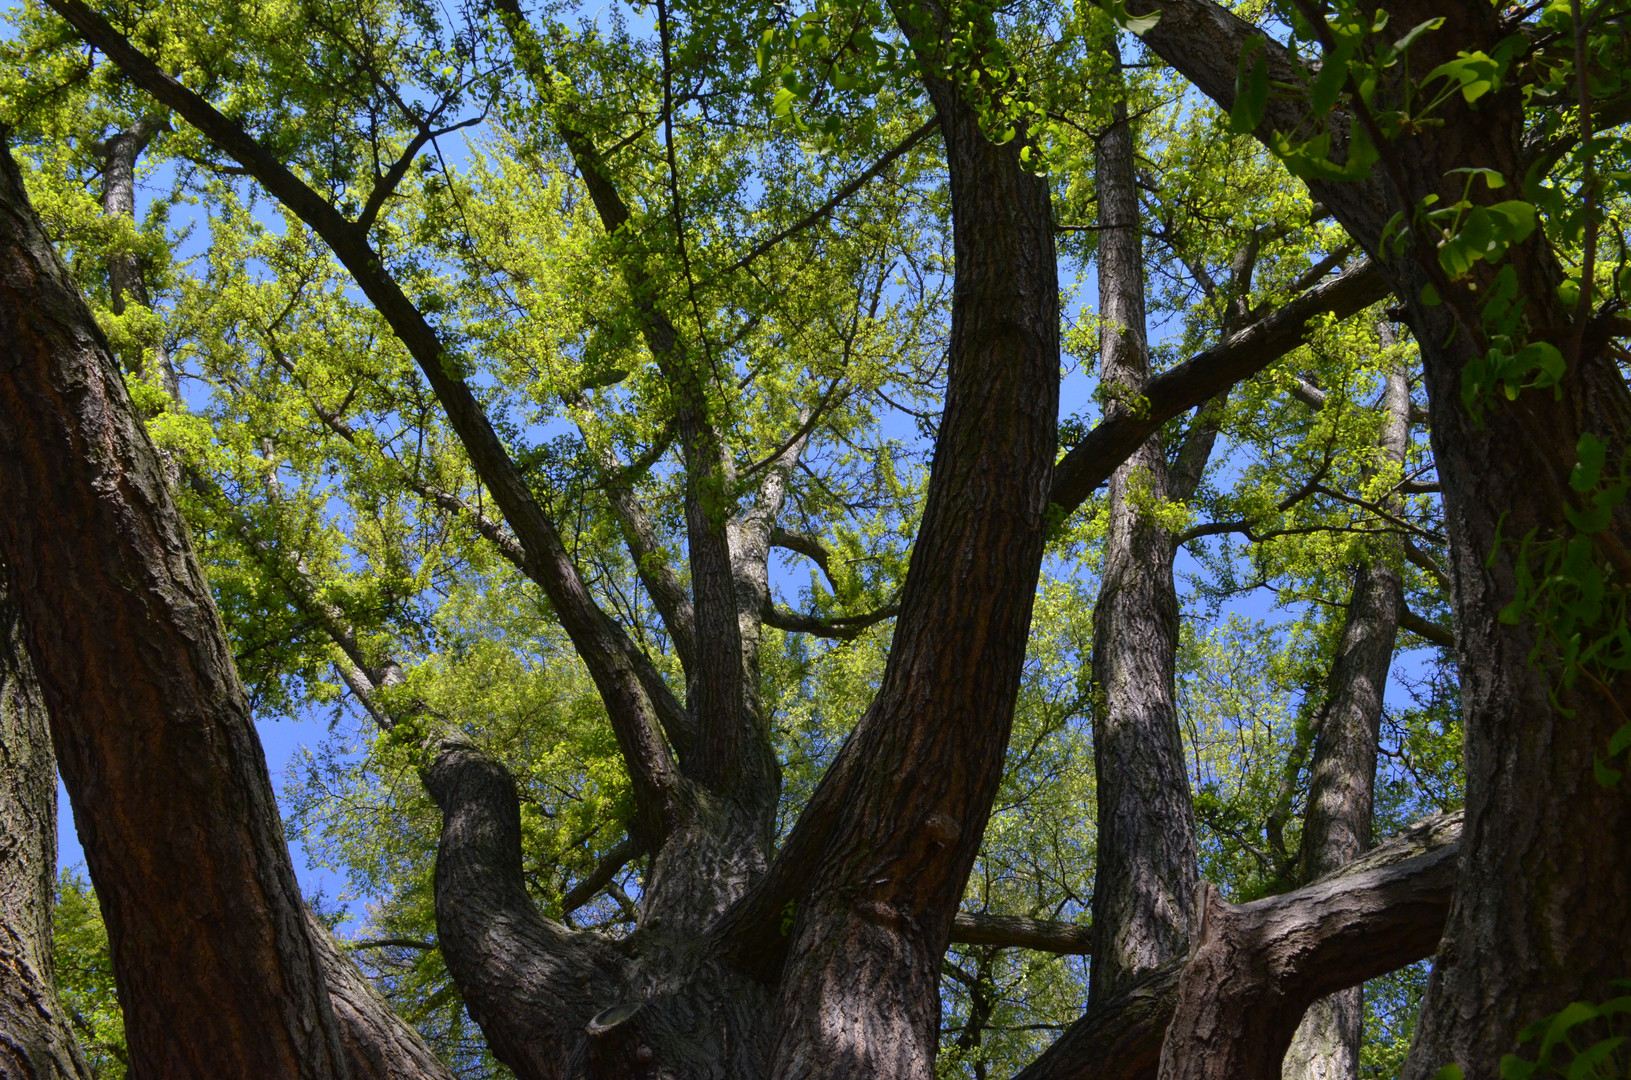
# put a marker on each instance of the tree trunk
(859, 993)
(215, 965)
(155, 743)
(1144, 879)
(36, 1042)
(127, 283)
(1544, 884)
(1347, 735)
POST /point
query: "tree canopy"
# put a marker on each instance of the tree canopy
(835, 539)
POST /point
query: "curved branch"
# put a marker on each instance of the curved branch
(1122, 1038)
(528, 982)
(843, 628)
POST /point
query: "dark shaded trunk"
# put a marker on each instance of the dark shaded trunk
(170, 789)
(1144, 878)
(859, 989)
(378, 1044)
(172, 799)
(1539, 909)
(1121, 1038)
(36, 1042)
(1342, 781)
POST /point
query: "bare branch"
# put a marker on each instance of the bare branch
(1426, 628)
(819, 213)
(843, 628)
(605, 872)
(1018, 932)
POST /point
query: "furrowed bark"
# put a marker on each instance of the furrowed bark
(1144, 878)
(36, 1040)
(1091, 461)
(155, 744)
(528, 982)
(1342, 781)
(1122, 1037)
(556, 1004)
(898, 819)
(1544, 885)
(1256, 967)
(620, 671)
(378, 1044)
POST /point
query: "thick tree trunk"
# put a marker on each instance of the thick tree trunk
(171, 793)
(904, 809)
(36, 1042)
(154, 741)
(1342, 783)
(1539, 908)
(1144, 881)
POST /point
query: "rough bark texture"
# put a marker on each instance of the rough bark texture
(1144, 879)
(859, 990)
(154, 741)
(1121, 1038)
(1544, 885)
(378, 1044)
(36, 1042)
(1342, 782)
(1256, 967)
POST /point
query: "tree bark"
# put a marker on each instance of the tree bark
(1122, 1037)
(1347, 735)
(154, 741)
(36, 1041)
(1256, 967)
(898, 820)
(1544, 882)
(1144, 878)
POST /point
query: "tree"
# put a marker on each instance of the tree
(757, 948)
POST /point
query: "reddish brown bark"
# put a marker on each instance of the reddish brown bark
(154, 739)
(36, 1041)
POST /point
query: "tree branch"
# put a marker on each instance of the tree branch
(604, 873)
(1090, 463)
(611, 657)
(837, 199)
(1018, 932)
(843, 628)
(1122, 1039)
(1426, 628)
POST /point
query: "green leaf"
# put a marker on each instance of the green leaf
(1415, 32)
(1251, 87)
(1620, 741)
(1592, 453)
